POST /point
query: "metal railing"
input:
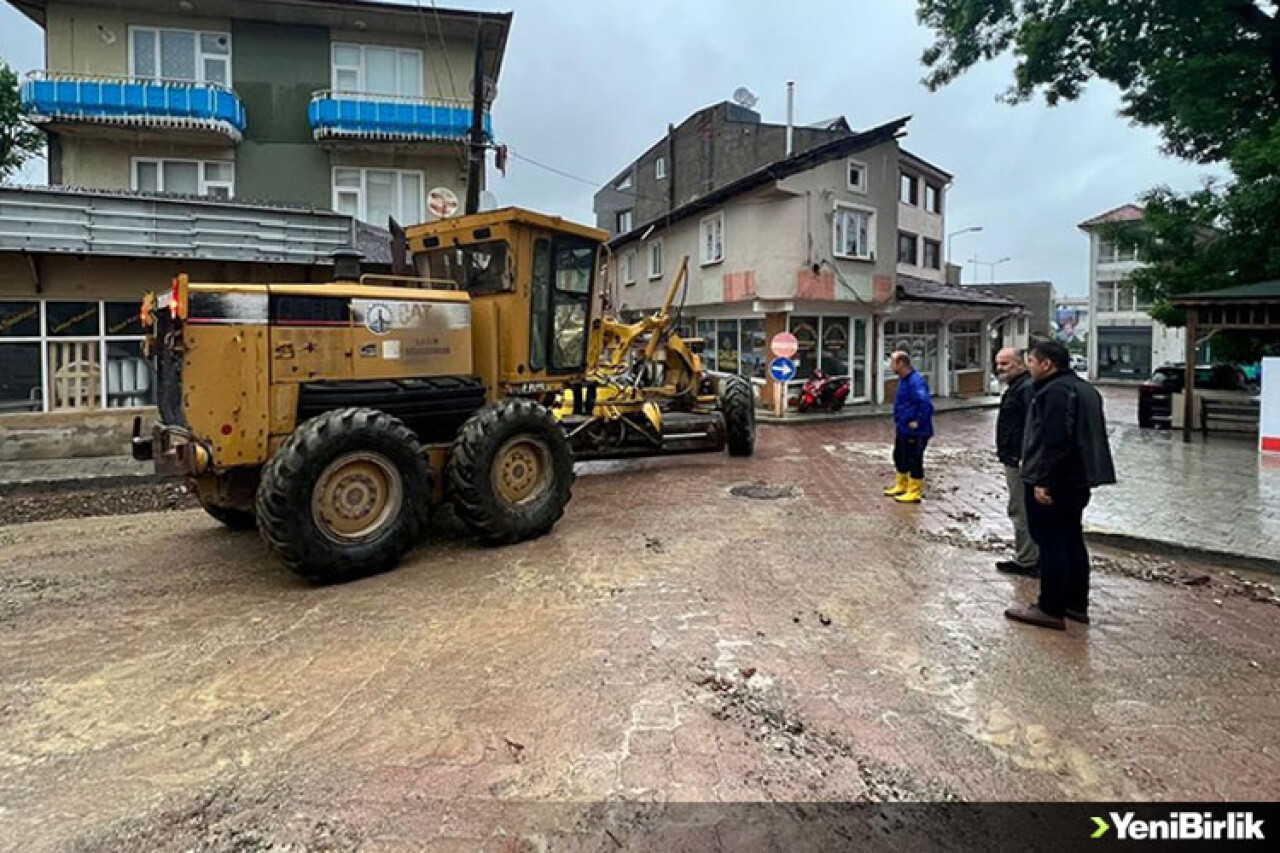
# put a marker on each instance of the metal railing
(133, 101)
(363, 115)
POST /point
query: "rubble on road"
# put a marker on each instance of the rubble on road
(114, 500)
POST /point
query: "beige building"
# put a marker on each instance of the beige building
(819, 244)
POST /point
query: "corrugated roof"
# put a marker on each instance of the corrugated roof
(1123, 213)
(1262, 291)
(912, 289)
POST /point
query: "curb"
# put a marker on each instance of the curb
(864, 414)
(1156, 546)
(60, 487)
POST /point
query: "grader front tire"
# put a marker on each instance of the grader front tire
(510, 473)
(346, 496)
(738, 405)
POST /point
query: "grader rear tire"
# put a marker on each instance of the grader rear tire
(510, 473)
(347, 495)
(738, 405)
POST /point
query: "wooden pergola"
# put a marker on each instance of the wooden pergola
(1247, 307)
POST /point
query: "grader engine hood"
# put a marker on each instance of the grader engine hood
(248, 360)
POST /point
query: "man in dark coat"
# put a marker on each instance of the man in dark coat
(913, 427)
(1065, 455)
(1010, 426)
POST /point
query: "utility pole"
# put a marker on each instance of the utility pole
(475, 159)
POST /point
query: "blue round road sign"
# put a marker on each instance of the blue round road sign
(782, 369)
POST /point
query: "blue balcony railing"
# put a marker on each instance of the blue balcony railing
(55, 96)
(342, 115)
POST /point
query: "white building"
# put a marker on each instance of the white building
(1125, 343)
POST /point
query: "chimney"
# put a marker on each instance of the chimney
(791, 98)
(346, 263)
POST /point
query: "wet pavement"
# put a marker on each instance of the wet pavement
(164, 685)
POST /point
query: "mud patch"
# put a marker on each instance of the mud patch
(762, 491)
(754, 702)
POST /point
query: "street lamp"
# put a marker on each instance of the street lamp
(996, 264)
(990, 265)
(954, 234)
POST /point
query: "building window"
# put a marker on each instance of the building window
(374, 195)
(628, 264)
(370, 70)
(966, 344)
(655, 259)
(855, 176)
(853, 232)
(1105, 298)
(932, 254)
(1111, 252)
(624, 183)
(727, 346)
(908, 245)
(932, 198)
(623, 221)
(917, 338)
(826, 344)
(163, 54)
(660, 168)
(707, 331)
(212, 178)
(53, 352)
(908, 189)
(712, 239)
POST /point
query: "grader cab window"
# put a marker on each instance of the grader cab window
(574, 267)
(477, 268)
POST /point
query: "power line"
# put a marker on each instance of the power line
(445, 49)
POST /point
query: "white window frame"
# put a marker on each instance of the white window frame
(362, 70)
(655, 252)
(44, 340)
(624, 183)
(203, 183)
(836, 248)
(860, 186)
(628, 260)
(660, 168)
(904, 175)
(200, 55)
(362, 191)
(628, 216)
(716, 223)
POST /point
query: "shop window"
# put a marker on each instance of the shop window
(919, 339)
(859, 370)
(806, 331)
(71, 319)
(966, 345)
(727, 345)
(707, 331)
(754, 358)
(835, 345)
(20, 385)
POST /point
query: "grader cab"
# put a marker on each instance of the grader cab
(333, 416)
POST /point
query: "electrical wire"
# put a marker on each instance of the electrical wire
(478, 84)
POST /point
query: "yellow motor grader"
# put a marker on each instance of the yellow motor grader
(333, 416)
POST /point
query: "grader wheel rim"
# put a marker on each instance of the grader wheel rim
(522, 470)
(356, 498)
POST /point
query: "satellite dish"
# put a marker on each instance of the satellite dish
(488, 201)
(442, 202)
(742, 97)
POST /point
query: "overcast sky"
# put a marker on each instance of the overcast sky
(587, 85)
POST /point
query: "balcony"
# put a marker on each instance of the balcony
(178, 110)
(358, 117)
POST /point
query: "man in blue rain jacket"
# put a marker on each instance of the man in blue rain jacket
(913, 425)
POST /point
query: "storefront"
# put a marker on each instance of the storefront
(1124, 352)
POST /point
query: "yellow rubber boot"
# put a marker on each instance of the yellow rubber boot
(914, 493)
(898, 488)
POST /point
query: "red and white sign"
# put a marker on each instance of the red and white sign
(442, 202)
(784, 345)
(1269, 431)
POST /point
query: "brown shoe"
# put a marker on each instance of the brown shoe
(1033, 615)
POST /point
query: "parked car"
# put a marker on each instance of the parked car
(1155, 396)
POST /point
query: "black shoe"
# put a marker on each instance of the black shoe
(1010, 567)
(1035, 616)
(1077, 616)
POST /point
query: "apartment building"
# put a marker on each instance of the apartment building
(356, 106)
(1125, 343)
(839, 243)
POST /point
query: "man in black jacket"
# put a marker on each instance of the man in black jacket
(1010, 426)
(1064, 455)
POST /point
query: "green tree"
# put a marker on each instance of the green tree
(19, 141)
(1204, 73)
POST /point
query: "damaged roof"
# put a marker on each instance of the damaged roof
(912, 289)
